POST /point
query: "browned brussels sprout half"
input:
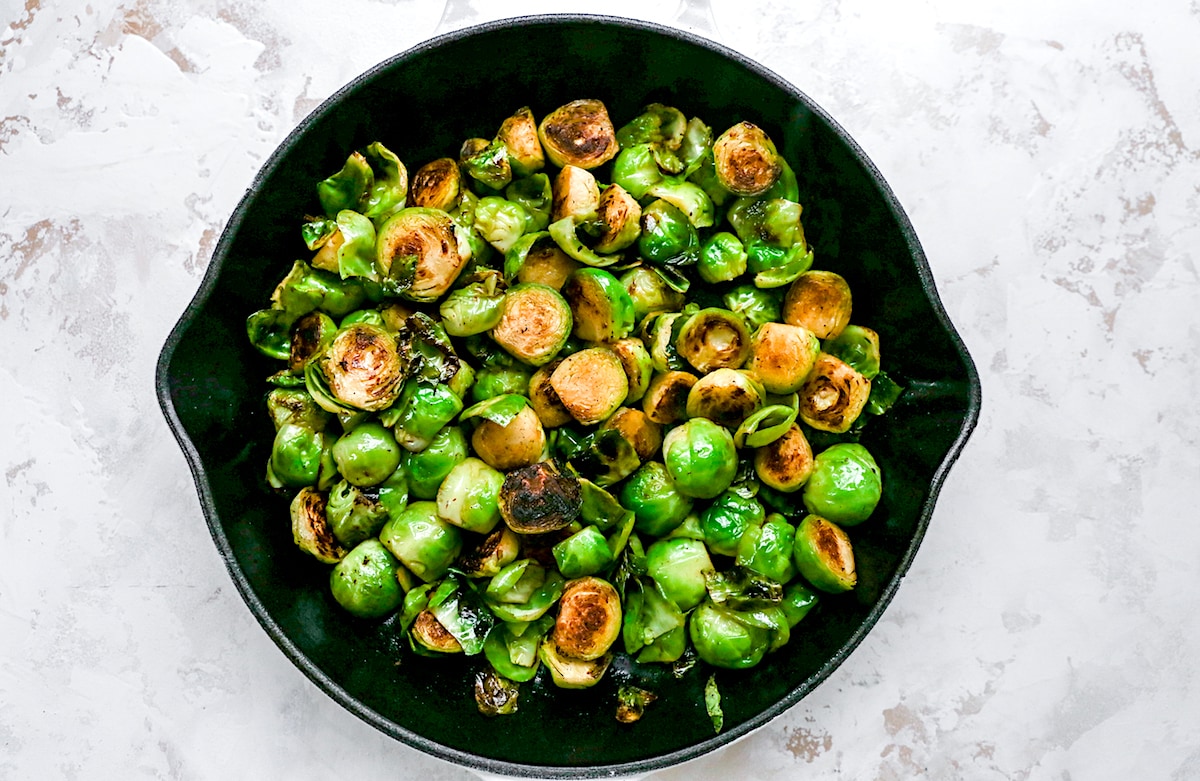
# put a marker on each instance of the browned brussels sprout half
(576, 195)
(580, 134)
(782, 355)
(437, 185)
(644, 434)
(539, 498)
(519, 442)
(519, 135)
(548, 265)
(725, 396)
(620, 216)
(589, 618)
(746, 160)
(665, 401)
(833, 396)
(819, 301)
(591, 384)
(419, 254)
(787, 463)
(362, 368)
(713, 339)
(535, 324)
(310, 528)
(311, 334)
(431, 635)
(824, 556)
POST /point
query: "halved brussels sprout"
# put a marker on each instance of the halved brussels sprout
(766, 548)
(310, 334)
(767, 223)
(493, 553)
(535, 323)
(504, 446)
(389, 188)
(519, 135)
(637, 363)
(547, 264)
(269, 330)
(437, 185)
(798, 601)
(431, 635)
(568, 672)
(689, 198)
(700, 457)
(310, 528)
(591, 384)
(579, 133)
(785, 464)
(364, 582)
(782, 356)
(824, 556)
(606, 457)
(725, 396)
(650, 292)
(501, 222)
(601, 308)
(565, 233)
(346, 188)
(544, 399)
(523, 591)
(722, 258)
(367, 454)
(745, 159)
(665, 401)
(714, 338)
(540, 498)
(474, 308)
(422, 541)
(858, 347)
(620, 215)
(420, 253)
(306, 288)
(576, 195)
(819, 301)
(658, 125)
(644, 434)
(426, 469)
(845, 486)
(680, 566)
(536, 195)
(323, 236)
(661, 332)
(589, 618)
(833, 395)
(462, 612)
(667, 236)
(488, 164)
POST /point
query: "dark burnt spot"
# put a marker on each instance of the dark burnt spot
(539, 498)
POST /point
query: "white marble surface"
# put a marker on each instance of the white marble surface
(1047, 153)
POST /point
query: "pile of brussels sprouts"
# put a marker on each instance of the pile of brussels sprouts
(557, 398)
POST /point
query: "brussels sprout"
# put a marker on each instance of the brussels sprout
(369, 316)
(519, 135)
(474, 308)
(589, 619)
(546, 264)
(766, 548)
(726, 520)
(493, 381)
(487, 163)
(667, 236)
(535, 323)
(565, 233)
(539, 498)
(364, 582)
(306, 288)
(427, 468)
(700, 457)
(756, 306)
(310, 334)
(689, 198)
(422, 541)
(650, 292)
(355, 514)
(325, 238)
(777, 267)
(269, 330)
(512, 648)
(301, 456)
(576, 195)
(601, 308)
(636, 171)
(632, 702)
(722, 258)
(824, 556)
(311, 530)
(580, 134)
(767, 222)
(833, 395)
(658, 125)
(696, 145)
(723, 638)
(420, 254)
(488, 556)
(725, 396)
(654, 627)
(819, 301)
(786, 463)
(432, 635)
(657, 503)
(714, 338)
(661, 331)
(679, 566)
(367, 455)
(620, 216)
(422, 411)
(798, 601)
(645, 435)
(591, 384)
(536, 195)
(606, 456)
(585, 552)
(568, 672)
(463, 614)
(361, 370)
(782, 356)
(845, 486)
(389, 187)
(437, 185)
(346, 188)
(519, 442)
(635, 359)
(858, 347)
(745, 159)
(544, 399)
(295, 405)
(501, 222)
(351, 252)
(665, 401)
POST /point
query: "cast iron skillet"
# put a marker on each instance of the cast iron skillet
(422, 104)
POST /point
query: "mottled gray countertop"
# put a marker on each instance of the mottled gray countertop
(1048, 154)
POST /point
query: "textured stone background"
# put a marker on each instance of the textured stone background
(1047, 153)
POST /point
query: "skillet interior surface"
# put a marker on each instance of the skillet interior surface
(421, 105)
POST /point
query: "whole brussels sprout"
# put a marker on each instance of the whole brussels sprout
(365, 583)
(300, 457)
(356, 513)
(679, 566)
(845, 486)
(657, 505)
(422, 541)
(723, 639)
(367, 454)
(700, 457)
(428, 468)
(766, 548)
(469, 497)
(722, 258)
(725, 521)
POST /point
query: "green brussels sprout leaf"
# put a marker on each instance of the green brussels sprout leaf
(501, 410)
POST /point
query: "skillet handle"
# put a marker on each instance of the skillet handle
(695, 16)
